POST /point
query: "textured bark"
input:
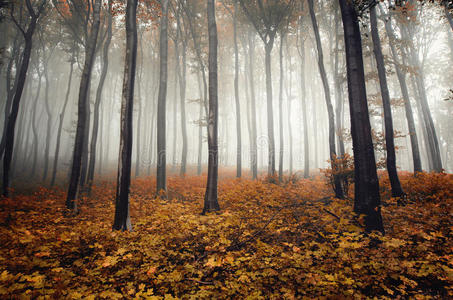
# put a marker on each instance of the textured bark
(397, 190)
(325, 83)
(122, 218)
(161, 103)
(11, 125)
(210, 199)
(97, 102)
(417, 164)
(339, 100)
(367, 199)
(83, 107)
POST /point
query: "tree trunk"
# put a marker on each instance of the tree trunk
(11, 125)
(304, 109)
(161, 104)
(49, 123)
(270, 115)
(407, 103)
(280, 111)
(97, 103)
(339, 100)
(82, 109)
(254, 150)
(210, 198)
(122, 218)
(182, 74)
(289, 100)
(322, 71)
(200, 128)
(61, 121)
(367, 199)
(236, 95)
(397, 190)
(34, 127)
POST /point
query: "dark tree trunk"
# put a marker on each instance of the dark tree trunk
(161, 104)
(34, 127)
(122, 218)
(97, 103)
(83, 106)
(280, 111)
(11, 125)
(407, 103)
(236, 95)
(367, 199)
(210, 199)
(397, 190)
(322, 71)
(61, 121)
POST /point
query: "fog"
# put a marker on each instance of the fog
(55, 52)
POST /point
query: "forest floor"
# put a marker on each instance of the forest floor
(269, 241)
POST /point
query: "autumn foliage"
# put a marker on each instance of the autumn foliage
(269, 241)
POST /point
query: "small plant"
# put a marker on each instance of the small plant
(344, 169)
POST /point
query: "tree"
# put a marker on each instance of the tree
(122, 218)
(367, 199)
(397, 190)
(11, 125)
(210, 199)
(97, 103)
(267, 17)
(79, 144)
(161, 103)
(322, 71)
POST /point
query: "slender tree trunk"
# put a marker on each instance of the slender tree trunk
(236, 95)
(280, 111)
(97, 103)
(61, 122)
(339, 100)
(34, 127)
(407, 103)
(200, 127)
(161, 104)
(367, 199)
(289, 100)
(304, 109)
(322, 71)
(49, 123)
(397, 190)
(122, 218)
(82, 109)
(182, 96)
(11, 125)
(210, 199)
(270, 115)
(254, 150)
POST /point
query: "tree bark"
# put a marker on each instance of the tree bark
(304, 108)
(417, 164)
(236, 95)
(254, 150)
(122, 218)
(210, 198)
(11, 125)
(397, 190)
(161, 103)
(97, 103)
(82, 109)
(367, 198)
(322, 71)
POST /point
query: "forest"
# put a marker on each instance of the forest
(226, 149)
